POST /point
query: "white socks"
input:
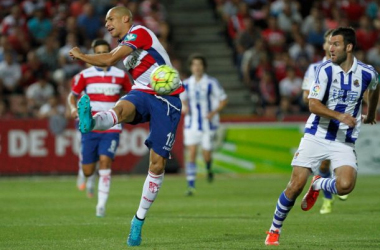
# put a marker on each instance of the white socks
(150, 190)
(105, 120)
(104, 186)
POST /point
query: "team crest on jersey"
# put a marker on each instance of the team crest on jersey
(315, 90)
(356, 83)
(130, 37)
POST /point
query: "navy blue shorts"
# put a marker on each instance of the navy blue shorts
(163, 113)
(96, 144)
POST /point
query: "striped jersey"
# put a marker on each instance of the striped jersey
(342, 92)
(309, 77)
(148, 54)
(103, 87)
(202, 97)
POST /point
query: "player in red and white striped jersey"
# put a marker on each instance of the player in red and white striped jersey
(104, 85)
(142, 53)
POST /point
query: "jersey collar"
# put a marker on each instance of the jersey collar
(352, 69)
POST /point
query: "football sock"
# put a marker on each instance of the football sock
(208, 166)
(105, 120)
(90, 184)
(284, 204)
(104, 186)
(191, 173)
(326, 193)
(328, 184)
(149, 193)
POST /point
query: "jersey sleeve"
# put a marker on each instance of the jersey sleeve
(218, 91)
(184, 95)
(374, 81)
(138, 39)
(319, 85)
(78, 84)
(308, 78)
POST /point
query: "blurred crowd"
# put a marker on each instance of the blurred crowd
(274, 41)
(36, 36)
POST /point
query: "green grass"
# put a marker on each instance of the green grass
(232, 213)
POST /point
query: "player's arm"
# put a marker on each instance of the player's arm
(222, 104)
(316, 107)
(102, 60)
(72, 101)
(373, 99)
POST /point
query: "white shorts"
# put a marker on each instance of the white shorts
(204, 138)
(313, 150)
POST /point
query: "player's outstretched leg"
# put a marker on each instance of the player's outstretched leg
(311, 196)
(134, 238)
(283, 207)
(86, 122)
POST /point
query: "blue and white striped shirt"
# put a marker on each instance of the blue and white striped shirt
(202, 97)
(342, 92)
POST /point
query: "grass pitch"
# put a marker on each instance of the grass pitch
(232, 213)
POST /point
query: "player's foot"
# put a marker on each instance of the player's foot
(311, 196)
(343, 197)
(100, 211)
(81, 187)
(134, 238)
(210, 177)
(90, 193)
(272, 238)
(326, 206)
(86, 122)
(190, 191)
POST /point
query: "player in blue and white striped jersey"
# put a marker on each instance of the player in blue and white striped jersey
(335, 101)
(324, 169)
(202, 101)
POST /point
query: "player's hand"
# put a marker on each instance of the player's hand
(74, 113)
(74, 53)
(367, 120)
(347, 119)
(210, 115)
(185, 110)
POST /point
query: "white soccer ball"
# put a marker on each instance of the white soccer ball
(164, 80)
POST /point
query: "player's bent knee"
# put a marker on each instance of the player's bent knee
(344, 187)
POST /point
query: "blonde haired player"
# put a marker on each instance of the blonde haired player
(202, 101)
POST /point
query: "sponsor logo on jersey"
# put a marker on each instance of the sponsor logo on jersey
(130, 37)
(315, 90)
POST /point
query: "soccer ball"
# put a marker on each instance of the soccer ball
(164, 80)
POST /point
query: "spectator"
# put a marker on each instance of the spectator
(373, 55)
(48, 54)
(301, 49)
(89, 23)
(39, 26)
(291, 92)
(308, 22)
(10, 74)
(273, 36)
(30, 69)
(51, 108)
(366, 35)
(268, 94)
(18, 107)
(38, 93)
(315, 36)
(287, 17)
(250, 62)
(14, 19)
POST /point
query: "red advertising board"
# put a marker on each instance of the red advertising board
(29, 147)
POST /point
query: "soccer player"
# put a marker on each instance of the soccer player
(324, 169)
(202, 101)
(143, 53)
(105, 86)
(335, 103)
